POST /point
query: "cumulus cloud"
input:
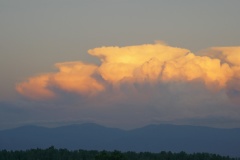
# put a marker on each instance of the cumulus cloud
(75, 77)
(36, 87)
(136, 67)
(119, 63)
(231, 56)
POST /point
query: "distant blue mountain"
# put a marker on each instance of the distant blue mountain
(152, 138)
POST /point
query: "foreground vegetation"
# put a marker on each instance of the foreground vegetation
(52, 153)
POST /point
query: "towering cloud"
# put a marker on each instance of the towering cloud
(122, 63)
(231, 56)
(218, 69)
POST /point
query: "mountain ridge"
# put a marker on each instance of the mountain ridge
(152, 138)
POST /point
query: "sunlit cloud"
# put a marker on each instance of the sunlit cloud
(36, 88)
(73, 77)
(76, 77)
(231, 56)
(119, 63)
(218, 69)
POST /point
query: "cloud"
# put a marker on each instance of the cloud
(73, 77)
(231, 56)
(76, 77)
(36, 88)
(154, 83)
(130, 69)
(119, 63)
(191, 67)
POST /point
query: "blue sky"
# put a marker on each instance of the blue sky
(36, 35)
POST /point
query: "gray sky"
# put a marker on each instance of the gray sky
(35, 35)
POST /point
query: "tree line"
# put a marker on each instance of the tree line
(52, 153)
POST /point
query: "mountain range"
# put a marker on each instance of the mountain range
(151, 138)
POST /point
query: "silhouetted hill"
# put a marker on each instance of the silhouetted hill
(153, 138)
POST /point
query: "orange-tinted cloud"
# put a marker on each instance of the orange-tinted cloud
(36, 88)
(191, 67)
(73, 77)
(218, 68)
(230, 55)
(76, 77)
(119, 63)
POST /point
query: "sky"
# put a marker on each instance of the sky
(123, 64)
